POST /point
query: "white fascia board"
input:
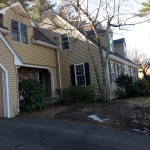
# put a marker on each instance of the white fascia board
(44, 44)
(5, 31)
(17, 60)
(123, 61)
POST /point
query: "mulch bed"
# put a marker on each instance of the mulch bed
(121, 116)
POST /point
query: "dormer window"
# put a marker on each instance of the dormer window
(19, 32)
(111, 46)
(64, 41)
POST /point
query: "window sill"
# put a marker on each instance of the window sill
(63, 50)
(19, 43)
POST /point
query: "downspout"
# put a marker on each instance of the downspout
(16, 109)
(59, 70)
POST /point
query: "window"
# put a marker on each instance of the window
(112, 72)
(80, 74)
(64, 41)
(111, 42)
(41, 77)
(19, 32)
(120, 69)
(1, 19)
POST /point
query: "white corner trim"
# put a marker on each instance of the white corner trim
(17, 60)
(50, 71)
(44, 44)
(6, 94)
(123, 61)
(59, 68)
(5, 31)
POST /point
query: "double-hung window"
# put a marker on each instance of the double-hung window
(80, 74)
(19, 32)
(64, 41)
(112, 72)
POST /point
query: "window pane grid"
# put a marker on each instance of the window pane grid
(19, 32)
(64, 41)
(80, 76)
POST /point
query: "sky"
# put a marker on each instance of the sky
(137, 37)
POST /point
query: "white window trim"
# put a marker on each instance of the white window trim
(76, 74)
(20, 41)
(61, 49)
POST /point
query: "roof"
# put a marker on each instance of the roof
(117, 55)
(119, 41)
(38, 35)
(92, 33)
(112, 53)
(2, 27)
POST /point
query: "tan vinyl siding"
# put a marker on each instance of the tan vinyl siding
(77, 54)
(120, 50)
(6, 59)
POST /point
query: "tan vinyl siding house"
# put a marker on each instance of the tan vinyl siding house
(24, 60)
(56, 54)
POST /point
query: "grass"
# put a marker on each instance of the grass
(140, 101)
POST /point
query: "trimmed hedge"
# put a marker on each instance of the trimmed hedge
(75, 94)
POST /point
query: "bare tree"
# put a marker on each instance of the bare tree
(112, 14)
(140, 59)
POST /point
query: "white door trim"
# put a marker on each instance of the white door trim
(6, 103)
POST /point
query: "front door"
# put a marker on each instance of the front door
(1, 97)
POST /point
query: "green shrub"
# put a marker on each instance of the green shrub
(75, 94)
(141, 88)
(33, 94)
(148, 80)
(124, 82)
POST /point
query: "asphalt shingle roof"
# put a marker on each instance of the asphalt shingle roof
(92, 33)
(38, 35)
(2, 27)
(119, 41)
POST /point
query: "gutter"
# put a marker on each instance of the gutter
(60, 81)
(44, 44)
(123, 61)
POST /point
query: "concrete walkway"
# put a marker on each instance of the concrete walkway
(44, 134)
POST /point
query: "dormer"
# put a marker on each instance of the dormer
(120, 47)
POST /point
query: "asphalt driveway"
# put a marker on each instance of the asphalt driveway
(45, 134)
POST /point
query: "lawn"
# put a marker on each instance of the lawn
(132, 114)
(140, 101)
